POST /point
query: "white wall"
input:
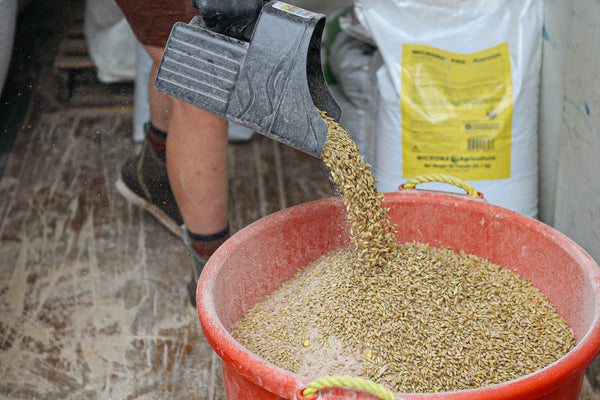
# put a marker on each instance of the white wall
(570, 122)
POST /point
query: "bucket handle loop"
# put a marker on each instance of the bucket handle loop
(452, 180)
(350, 382)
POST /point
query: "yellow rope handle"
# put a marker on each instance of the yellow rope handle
(414, 181)
(350, 382)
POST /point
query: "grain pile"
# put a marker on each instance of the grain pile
(411, 317)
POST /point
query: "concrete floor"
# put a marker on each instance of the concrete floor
(93, 300)
(92, 290)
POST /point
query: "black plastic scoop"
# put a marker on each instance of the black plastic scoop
(272, 84)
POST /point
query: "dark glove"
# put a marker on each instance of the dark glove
(235, 18)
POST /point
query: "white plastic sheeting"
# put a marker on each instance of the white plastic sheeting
(350, 61)
(8, 20)
(111, 43)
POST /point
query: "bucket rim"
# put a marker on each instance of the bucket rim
(285, 384)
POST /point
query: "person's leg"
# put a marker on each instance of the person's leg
(196, 157)
(143, 179)
(197, 149)
(197, 167)
(192, 186)
(160, 104)
(181, 174)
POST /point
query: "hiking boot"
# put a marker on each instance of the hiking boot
(144, 182)
(198, 263)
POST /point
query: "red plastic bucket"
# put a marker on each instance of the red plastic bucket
(262, 256)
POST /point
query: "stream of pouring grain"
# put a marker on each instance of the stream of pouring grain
(372, 231)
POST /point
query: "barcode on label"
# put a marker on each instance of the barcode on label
(480, 143)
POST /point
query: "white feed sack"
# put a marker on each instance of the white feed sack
(471, 70)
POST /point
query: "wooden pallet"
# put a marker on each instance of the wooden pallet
(73, 56)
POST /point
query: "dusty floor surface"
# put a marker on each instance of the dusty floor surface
(92, 290)
(93, 302)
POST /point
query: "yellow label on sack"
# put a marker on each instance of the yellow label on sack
(456, 112)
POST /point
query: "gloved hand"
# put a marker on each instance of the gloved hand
(235, 18)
